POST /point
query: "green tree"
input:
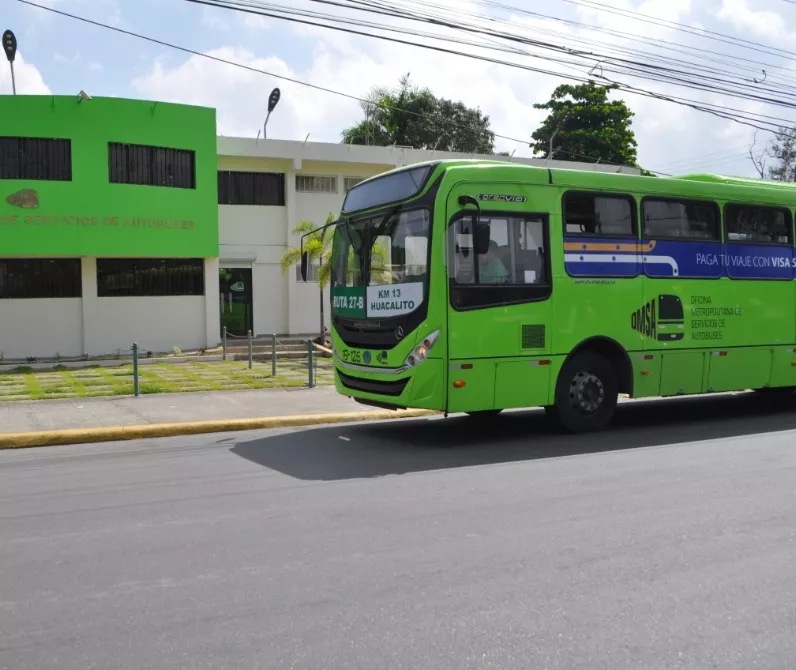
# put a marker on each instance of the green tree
(584, 125)
(410, 116)
(318, 245)
(777, 160)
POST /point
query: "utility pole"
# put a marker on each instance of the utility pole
(10, 47)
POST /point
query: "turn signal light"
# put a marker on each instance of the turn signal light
(420, 352)
(459, 384)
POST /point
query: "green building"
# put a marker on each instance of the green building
(108, 225)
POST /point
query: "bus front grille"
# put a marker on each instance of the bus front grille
(391, 388)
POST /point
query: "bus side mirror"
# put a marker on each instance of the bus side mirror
(482, 237)
(305, 263)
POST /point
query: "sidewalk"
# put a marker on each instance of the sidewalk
(88, 413)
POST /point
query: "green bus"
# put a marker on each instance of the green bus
(481, 286)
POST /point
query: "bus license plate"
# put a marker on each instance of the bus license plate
(352, 356)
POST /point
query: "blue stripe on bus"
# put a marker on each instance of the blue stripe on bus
(672, 258)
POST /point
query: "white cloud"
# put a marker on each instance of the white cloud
(110, 10)
(256, 22)
(665, 132)
(621, 15)
(215, 18)
(28, 78)
(241, 95)
(766, 25)
(60, 58)
(348, 64)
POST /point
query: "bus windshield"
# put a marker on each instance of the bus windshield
(380, 264)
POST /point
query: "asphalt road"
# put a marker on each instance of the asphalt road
(669, 542)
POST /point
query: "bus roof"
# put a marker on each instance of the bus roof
(699, 185)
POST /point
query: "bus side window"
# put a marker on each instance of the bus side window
(757, 225)
(515, 256)
(681, 219)
(599, 214)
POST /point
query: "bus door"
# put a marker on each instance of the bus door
(499, 285)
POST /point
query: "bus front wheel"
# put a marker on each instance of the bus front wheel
(586, 393)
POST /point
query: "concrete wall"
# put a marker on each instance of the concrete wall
(43, 327)
(156, 323)
(98, 326)
(212, 320)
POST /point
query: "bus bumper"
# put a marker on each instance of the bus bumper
(421, 387)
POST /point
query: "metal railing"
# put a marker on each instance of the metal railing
(309, 360)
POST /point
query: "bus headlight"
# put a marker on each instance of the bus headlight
(420, 352)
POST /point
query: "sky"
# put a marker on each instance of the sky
(63, 56)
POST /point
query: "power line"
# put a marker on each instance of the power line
(746, 118)
(365, 100)
(713, 155)
(664, 45)
(225, 61)
(633, 68)
(682, 27)
(250, 68)
(709, 164)
(691, 104)
(454, 21)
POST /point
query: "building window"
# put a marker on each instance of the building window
(315, 184)
(350, 182)
(681, 219)
(312, 273)
(35, 158)
(22, 278)
(151, 166)
(144, 277)
(251, 188)
(757, 225)
(600, 215)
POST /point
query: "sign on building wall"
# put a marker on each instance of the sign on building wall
(116, 178)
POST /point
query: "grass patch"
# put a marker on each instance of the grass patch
(194, 376)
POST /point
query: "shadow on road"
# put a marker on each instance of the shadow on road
(400, 447)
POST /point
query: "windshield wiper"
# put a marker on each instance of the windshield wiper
(373, 233)
(347, 225)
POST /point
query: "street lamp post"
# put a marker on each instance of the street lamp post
(273, 101)
(10, 47)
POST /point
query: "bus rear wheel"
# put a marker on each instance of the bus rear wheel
(586, 393)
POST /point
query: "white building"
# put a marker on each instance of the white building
(307, 181)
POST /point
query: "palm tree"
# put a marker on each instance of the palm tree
(318, 245)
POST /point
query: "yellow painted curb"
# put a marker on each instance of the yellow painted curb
(49, 438)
